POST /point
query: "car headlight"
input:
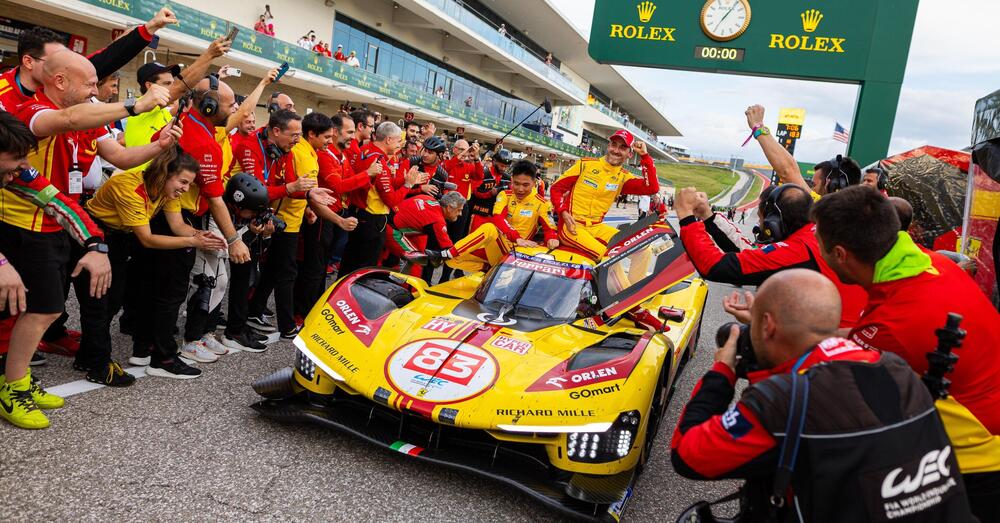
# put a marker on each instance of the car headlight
(602, 447)
(305, 366)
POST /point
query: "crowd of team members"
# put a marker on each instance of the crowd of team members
(193, 202)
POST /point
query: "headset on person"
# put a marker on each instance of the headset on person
(837, 179)
(271, 150)
(773, 228)
(272, 104)
(208, 103)
(883, 178)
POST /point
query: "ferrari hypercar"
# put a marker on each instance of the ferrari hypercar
(548, 372)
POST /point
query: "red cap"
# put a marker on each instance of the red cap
(625, 136)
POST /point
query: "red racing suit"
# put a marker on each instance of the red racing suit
(753, 266)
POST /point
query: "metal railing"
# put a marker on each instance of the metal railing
(463, 16)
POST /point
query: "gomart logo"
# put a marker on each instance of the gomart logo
(441, 371)
(810, 22)
(588, 393)
(642, 32)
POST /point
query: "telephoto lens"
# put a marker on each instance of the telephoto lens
(746, 360)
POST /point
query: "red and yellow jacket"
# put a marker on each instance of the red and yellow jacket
(591, 185)
(520, 219)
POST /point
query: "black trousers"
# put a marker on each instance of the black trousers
(241, 276)
(317, 243)
(163, 284)
(365, 243)
(96, 314)
(984, 495)
(278, 275)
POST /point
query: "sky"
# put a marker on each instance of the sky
(952, 63)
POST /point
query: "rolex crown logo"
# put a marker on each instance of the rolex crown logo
(212, 24)
(811, 19)
(646, 11)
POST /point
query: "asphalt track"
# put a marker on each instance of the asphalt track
(194, 451)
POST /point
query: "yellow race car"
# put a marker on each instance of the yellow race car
(548, 373)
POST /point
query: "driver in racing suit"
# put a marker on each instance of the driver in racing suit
(584, 193)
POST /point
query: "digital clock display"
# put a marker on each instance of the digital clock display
(725, 54)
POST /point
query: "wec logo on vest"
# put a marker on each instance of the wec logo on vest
(932, 467)
(919, 486)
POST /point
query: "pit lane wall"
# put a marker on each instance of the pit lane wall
(981, 236)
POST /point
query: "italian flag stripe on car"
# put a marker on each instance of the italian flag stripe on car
(406, 448)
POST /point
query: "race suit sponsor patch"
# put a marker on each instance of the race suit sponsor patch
(735, 424)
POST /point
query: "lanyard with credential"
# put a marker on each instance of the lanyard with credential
(263, 157)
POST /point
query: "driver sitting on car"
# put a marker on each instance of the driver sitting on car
(517, 215)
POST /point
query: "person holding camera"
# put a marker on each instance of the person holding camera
(826, 431)
(495, 181)
(911, 292)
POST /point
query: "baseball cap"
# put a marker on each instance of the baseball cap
(152, 69)
(340, 46)
(625, 136)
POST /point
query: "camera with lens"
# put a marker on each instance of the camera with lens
(203, 296)
(268, 216)
(503, 185)
(746, 360)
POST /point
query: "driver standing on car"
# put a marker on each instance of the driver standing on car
(584, 193)
(870, 424)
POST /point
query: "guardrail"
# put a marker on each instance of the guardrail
(463, 16)
(207, 27)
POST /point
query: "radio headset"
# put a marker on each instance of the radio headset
(837, 179)
(272, 151)
(772, 227)
(208, 104)
(883, 178)
(272, 104)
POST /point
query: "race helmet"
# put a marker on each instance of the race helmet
(435, 144)
(503, 156)
(244, 191)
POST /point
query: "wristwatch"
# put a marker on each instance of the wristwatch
(100, 247)
(130, 106)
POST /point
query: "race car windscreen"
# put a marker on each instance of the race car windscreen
(531, 294)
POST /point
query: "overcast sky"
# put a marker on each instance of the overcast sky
(953, 62)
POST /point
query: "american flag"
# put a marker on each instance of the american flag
(840, 134)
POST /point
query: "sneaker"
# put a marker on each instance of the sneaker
(197, 351)
(213, 345)
(38, 359)
(140, 354)
(111, 375)
(260, 323)
(291, 334)
(43, 398)
(247, 342)
(268, 313)
(67, 345)
(18, 406)
(173, 368)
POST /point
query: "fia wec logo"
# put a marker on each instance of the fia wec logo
(933, 467)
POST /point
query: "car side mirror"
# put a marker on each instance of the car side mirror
(672, 314)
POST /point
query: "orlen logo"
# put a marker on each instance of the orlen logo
(932, 467)
(594, 375)
(349, 313)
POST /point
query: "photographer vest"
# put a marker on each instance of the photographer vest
(872, 446)
(483, 205)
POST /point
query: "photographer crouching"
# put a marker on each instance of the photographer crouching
(827, 431)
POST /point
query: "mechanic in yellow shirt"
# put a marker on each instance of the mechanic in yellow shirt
(123, 207)
(310, 135)
(517, 215)
(585, 193)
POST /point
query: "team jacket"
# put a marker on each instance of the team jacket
(753, 266)
(520, 219)
(383, 194)
(483, 199)
(725, 234)
(870, 428)
(435, 172)
(335, 174)
(106, 61)
(466, 175)
(422, 213)
(250, 155)
(901, 317)
(37, 190)
(589, 188)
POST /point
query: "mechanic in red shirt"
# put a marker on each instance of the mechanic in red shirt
(910, 294)
(371, 206)
(364, 125)
(866, 414)
(420, 223)
(35, 45)
(792, 245)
